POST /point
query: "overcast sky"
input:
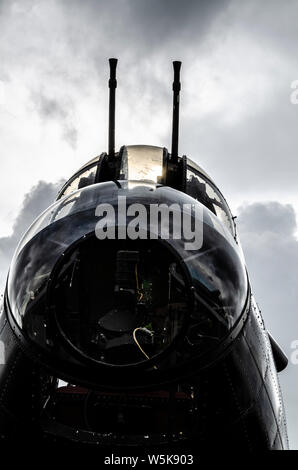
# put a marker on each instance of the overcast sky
(237, 120)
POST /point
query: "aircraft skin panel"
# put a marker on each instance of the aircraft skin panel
(239, 402)
(263, 357)
(15, 386)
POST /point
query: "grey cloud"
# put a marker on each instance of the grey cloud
(35, 202)
(146, 35)
(267, 232)
(275, 24)
(70, 134)
(258, 154)
(149, 24)
(49, 107)
(262, 218)
(61, 112)
(172, 20)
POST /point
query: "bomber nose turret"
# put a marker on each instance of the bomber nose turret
(112, 275)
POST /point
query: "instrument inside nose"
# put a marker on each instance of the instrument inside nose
(120, 301)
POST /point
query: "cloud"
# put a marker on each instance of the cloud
(163, 22)
(257, 150)
(78, 37)
(267, 232)
(142, 26)
(58, 111)
(263, 219)
(35, 202)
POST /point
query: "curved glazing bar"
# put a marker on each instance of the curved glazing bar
(90, 162)
(83, 178)
(203, 190)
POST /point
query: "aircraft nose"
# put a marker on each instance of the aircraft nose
(125, 301)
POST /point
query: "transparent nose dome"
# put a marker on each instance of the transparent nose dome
(123, 301)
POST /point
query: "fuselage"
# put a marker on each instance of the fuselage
(154, 331)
